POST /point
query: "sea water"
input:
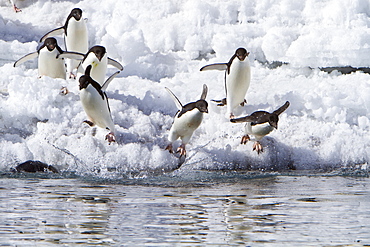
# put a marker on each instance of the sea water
(196, 208)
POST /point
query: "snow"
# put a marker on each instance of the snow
(164, 44)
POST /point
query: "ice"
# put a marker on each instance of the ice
(164, 44)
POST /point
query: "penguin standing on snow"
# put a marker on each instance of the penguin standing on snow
(75, 37)
(187, 120)
(237, 79)
(260, 124)
(49, 63)
(95, 103)
(97, 58)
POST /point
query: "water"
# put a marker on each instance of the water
(195, 208)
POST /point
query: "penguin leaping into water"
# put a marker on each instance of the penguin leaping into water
(187, 120)
(260, 124)
(75, 37)
(95, 103)
(237, 79)
(49, 63)
(97, 58)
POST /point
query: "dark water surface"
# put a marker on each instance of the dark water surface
(196, 209)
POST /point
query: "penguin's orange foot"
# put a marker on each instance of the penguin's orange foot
(72, 76)
(16, 9)
(64, 91)
(110, 137)
(245, 139)
(258, 147)
(169, 148)
(181, 150)
(244, 102)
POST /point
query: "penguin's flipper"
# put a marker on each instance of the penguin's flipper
(243, 119)
(106, 83)
(115, 63)
(282, 108)
(25, 58)
(71, 55)
(54, 32)
(215, 66)
(204, 93)
(175, 99)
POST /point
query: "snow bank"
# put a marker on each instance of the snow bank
(164, 44)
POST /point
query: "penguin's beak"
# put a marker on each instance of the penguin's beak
(51, 47)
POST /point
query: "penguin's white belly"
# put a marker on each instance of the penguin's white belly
(96, 108)
(184, 126)
(237, 83)
(76, 41)
(49, 65)
(259, 130)
(99, 68)
(77, 38)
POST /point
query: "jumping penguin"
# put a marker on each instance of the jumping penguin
(95, 103)
(75, 37)
(97, 58)
(237, 79)
(260, 124)
(49, 63)
(187, 120)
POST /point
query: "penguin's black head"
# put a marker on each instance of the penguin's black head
(273, 120)
(76, 13)
(202, 105)
(241, 53)
(84, 81)
(99, 51)
(50, 43)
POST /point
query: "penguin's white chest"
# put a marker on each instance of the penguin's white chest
(99, 68)
(96, 108)
(187, 123)
(259, 130)
(237, 82)
(77, 36)
(49, 65)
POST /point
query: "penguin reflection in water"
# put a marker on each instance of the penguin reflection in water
(187, 120)
(260, 124)
(95, 103)
(237, 79)
(49, 63)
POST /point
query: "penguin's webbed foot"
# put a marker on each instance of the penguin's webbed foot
(169, 148)
(244, 102)
(16, 9)
(110, 137)
(221, 102)
(64, 91)
(91, 124)
(245, 139)
(72, 76)
(258, 147)
(181, 150)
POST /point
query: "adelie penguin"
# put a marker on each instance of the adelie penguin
(95, 103)
(187, 120)
(75, 37)
(260, 124)
(237, 79)
(49, 63)
(97, 58)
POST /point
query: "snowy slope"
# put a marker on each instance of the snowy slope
(164, 44)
